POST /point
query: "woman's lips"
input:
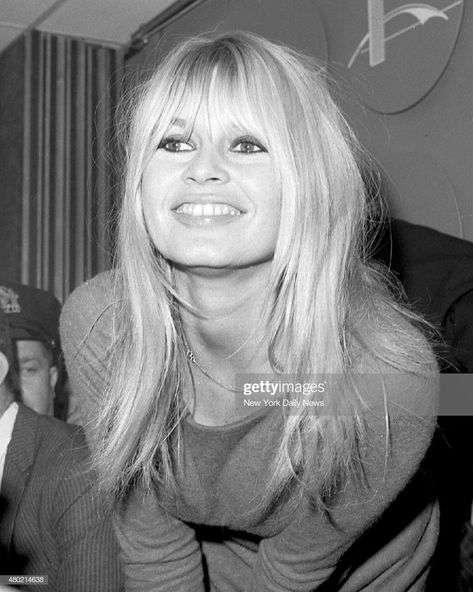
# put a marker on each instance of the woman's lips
(207, 209)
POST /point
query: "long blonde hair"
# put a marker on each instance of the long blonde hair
(321, 291)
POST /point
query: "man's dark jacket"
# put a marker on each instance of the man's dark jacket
(50, 520)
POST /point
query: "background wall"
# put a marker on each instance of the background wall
(58, 97)
(425, 148)
(11, 152)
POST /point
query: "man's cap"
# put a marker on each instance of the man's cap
(32, 314)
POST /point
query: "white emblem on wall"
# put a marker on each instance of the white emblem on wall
(395, 52)
(375, 40)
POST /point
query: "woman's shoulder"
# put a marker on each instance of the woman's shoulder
(87, 336)
(92, 294)
(399, 405)
(401, 373)
(87, 315)
(89, 301)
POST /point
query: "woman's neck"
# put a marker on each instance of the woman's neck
(226, 325)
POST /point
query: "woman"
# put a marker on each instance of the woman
(241, 253)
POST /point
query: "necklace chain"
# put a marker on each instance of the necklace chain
(191, 356)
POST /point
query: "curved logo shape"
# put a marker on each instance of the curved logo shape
(375, 40)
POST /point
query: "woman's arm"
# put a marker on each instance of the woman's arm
(159, 552)
(383, 536)
(86, 338)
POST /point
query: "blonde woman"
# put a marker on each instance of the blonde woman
(241, 251)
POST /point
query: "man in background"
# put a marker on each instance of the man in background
(436, 271)
(51, 524)
(33, 316)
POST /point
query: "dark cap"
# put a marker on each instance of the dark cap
(32, 314)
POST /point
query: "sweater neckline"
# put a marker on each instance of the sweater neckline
(248, 420)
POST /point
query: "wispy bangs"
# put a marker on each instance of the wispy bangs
(220, 87)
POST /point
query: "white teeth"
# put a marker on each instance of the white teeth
(185, 209)
(209, 209)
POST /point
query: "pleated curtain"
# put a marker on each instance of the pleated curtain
(72, 89)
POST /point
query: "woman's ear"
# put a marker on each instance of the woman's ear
(4, 367)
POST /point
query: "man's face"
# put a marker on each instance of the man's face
(38, 376)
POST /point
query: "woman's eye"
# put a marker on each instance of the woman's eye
(248, 146)
(175, 145)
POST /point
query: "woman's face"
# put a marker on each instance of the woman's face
(211, 200)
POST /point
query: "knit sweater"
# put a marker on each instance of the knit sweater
(215, 535)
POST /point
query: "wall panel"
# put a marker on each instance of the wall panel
(73, 89)
(11, 158)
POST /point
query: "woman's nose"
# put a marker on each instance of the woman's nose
(207, 165)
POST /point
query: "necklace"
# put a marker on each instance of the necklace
(191, 356)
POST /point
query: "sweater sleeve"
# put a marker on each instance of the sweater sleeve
(86, 334)
(158, 552)
(376, 535)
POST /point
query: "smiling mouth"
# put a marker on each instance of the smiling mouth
(207, 210)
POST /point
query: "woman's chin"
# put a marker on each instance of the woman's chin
(204, 266)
